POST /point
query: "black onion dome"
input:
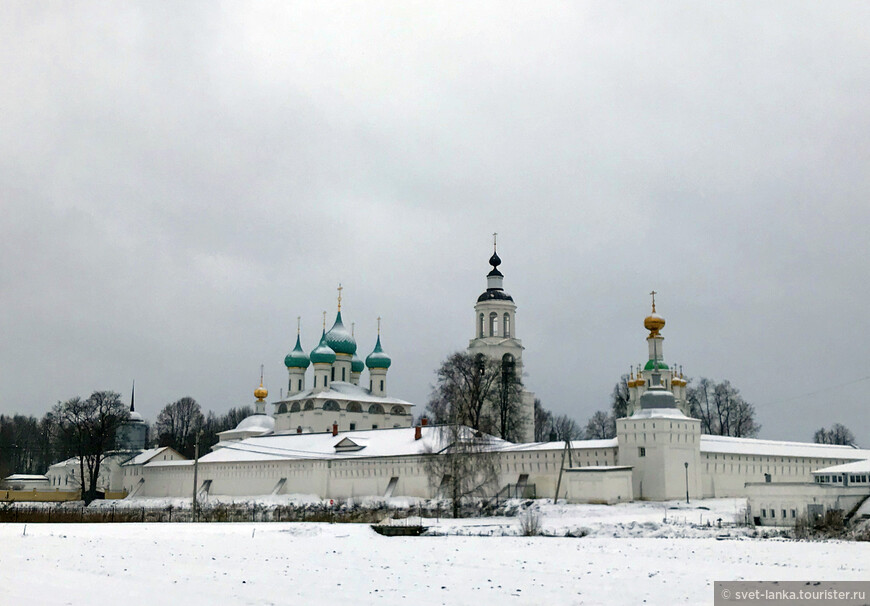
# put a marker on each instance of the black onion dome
(494, 260)
(494, 295)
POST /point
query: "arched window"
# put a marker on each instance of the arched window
(294, 407)
(300, 384)
(354, 407)
(493, 324)
(397, 410)
(507, 325)
(331, 405)
(309, 405)
(333, 374)
(480, 327)
(376, 409)
(282, 408)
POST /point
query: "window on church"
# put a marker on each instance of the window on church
(294, 407)
(397, 410)
(493, 324)
(507, 325)
(300, 384)
(480, 326)
(641, 451)
(333, 374)
(352, 426)
(382, 385)
(354, 407)
(343, 369)
(309, 405)
(331, 405)
(376, 409)
(282, 408)
(315, 380)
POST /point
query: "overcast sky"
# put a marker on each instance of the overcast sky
(180, 181)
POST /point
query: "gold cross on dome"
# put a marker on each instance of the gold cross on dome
(340, 288)
(494, 236)
(379, 325)
(653, 293)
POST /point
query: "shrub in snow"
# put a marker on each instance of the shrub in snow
(530, 523)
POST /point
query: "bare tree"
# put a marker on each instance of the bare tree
(619, 398)
(507, 399)
(461, 465)
(837, 434)
(465, 387)
(600, 426)
(89, 427)
(178, 423)
(543, 422)
(566, 428)
(722, 410)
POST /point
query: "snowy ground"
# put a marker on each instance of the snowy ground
(280, 563)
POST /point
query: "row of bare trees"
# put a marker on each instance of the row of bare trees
(87, 428)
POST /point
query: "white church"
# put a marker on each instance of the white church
(341, 435)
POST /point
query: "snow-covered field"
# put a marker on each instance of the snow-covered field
(286, 563)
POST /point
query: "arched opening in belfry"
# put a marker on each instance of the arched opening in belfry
(493, 324)
(507, 325)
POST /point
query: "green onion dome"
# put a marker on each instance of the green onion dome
(322, 354)
(653, 365)
(356, 365)
(378, 359)
(297, 358)
(339, 338)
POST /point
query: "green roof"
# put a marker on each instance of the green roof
(322, 354)
(339, 338)
(378, 359)
(297, 358)
(652, 365)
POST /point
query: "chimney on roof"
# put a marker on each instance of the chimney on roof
(418, 432)
(335, 429)
(299, 429)
(424, 421)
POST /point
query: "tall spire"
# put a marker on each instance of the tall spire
(133, 397)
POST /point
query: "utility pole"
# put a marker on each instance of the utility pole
(687, 481)
(195, 470)
(562, 467)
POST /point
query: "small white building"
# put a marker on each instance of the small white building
(23, 481)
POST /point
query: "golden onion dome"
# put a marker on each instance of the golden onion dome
(654, 323)
(261, 393)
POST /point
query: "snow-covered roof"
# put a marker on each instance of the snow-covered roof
(575, 445)
(659, 413)
(25, 477)
(340, 390)
(146, 455)
(260, 422)
(862, 466)
(373, 443)
(752, 446)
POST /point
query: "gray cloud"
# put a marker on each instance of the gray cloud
(179, 182)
